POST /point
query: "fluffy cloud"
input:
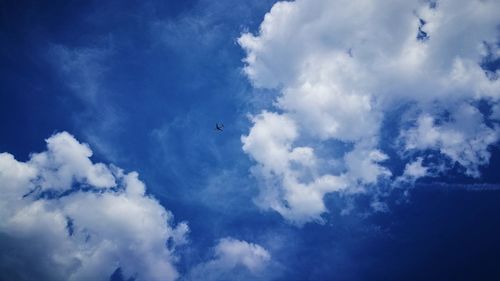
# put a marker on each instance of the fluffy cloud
(465, 138)
(284, 168)
(341, 66)
(233, 260)
(63, 217)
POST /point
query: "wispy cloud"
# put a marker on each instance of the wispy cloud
(82, 68)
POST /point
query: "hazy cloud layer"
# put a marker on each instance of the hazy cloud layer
(341, 66)
(63, 217)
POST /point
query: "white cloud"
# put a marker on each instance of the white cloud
(66, 161)
(292, 187)
(231, 252)
(341, 66)
(63, 217)
(415, 169)
(465, 139)
(233, 260)
(363, 164)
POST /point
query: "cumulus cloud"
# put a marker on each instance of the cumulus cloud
(283, 168)
(63, 217)
(464, 138)
(233, 260)
(341, 66)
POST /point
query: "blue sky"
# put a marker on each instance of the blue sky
(354, 148)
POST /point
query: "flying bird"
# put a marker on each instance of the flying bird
(219, 127)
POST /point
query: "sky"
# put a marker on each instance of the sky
(360, 140)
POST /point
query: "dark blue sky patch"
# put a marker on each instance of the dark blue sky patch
(422, 35)
(118, 276)
(427, 238)
(490, 61)
(70, 226)
(433, 4)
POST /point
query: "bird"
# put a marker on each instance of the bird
(219, 127)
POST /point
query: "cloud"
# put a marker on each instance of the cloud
(415, 170)
(63, 217)
(341, 66)
(86, 72)
(465, 138)
(82, 69)
(233, 260)
(283, 167)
